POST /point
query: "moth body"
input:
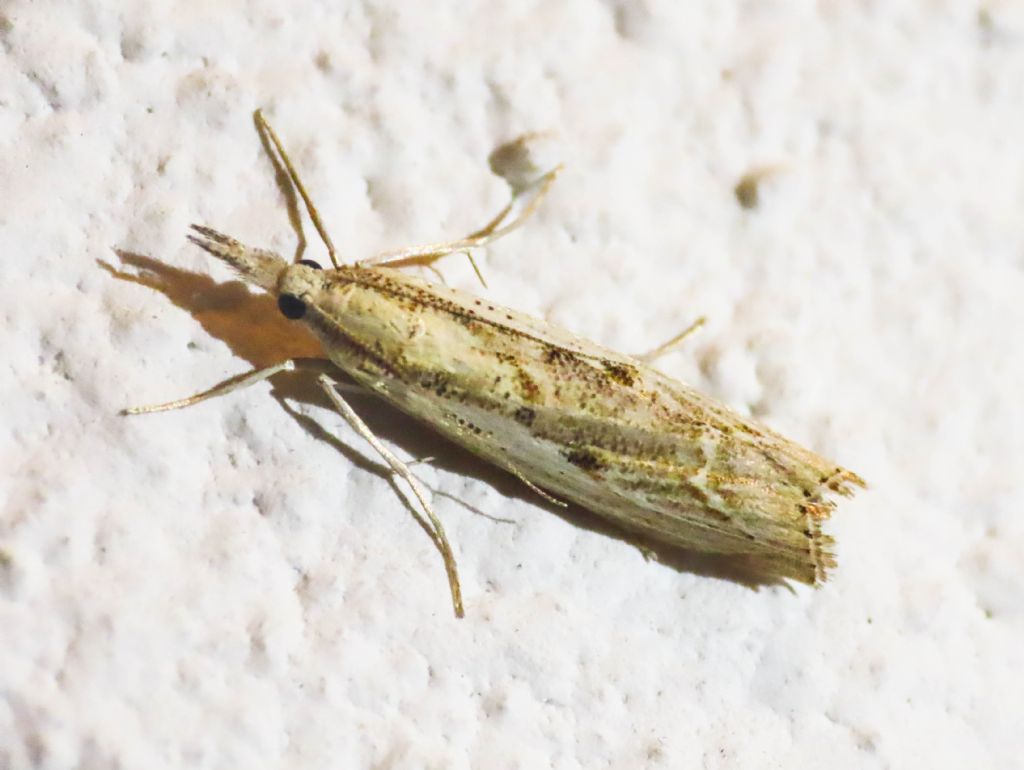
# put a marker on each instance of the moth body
(591, 426)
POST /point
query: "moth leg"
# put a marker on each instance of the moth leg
(494, 229)
(401, 469)
(519, 475)
(232, 384)
(649, 554)
(293, 175)
(672, 343)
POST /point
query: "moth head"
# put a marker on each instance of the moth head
(294, 285)
(291, 283)
(257, 266)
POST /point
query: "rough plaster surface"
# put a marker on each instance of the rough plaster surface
(233, 586)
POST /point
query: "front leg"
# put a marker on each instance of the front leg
(230, 385)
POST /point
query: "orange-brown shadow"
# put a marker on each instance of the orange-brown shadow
(252, 327)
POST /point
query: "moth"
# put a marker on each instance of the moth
(576, 422)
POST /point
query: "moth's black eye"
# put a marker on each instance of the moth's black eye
(291, 306)
(310, 263)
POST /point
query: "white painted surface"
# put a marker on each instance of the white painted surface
(224, 588)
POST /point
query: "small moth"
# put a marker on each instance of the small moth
(574, 421)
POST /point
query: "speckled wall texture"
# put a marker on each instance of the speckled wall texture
(238, 586)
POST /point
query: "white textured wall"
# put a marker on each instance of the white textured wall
(230, 587)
